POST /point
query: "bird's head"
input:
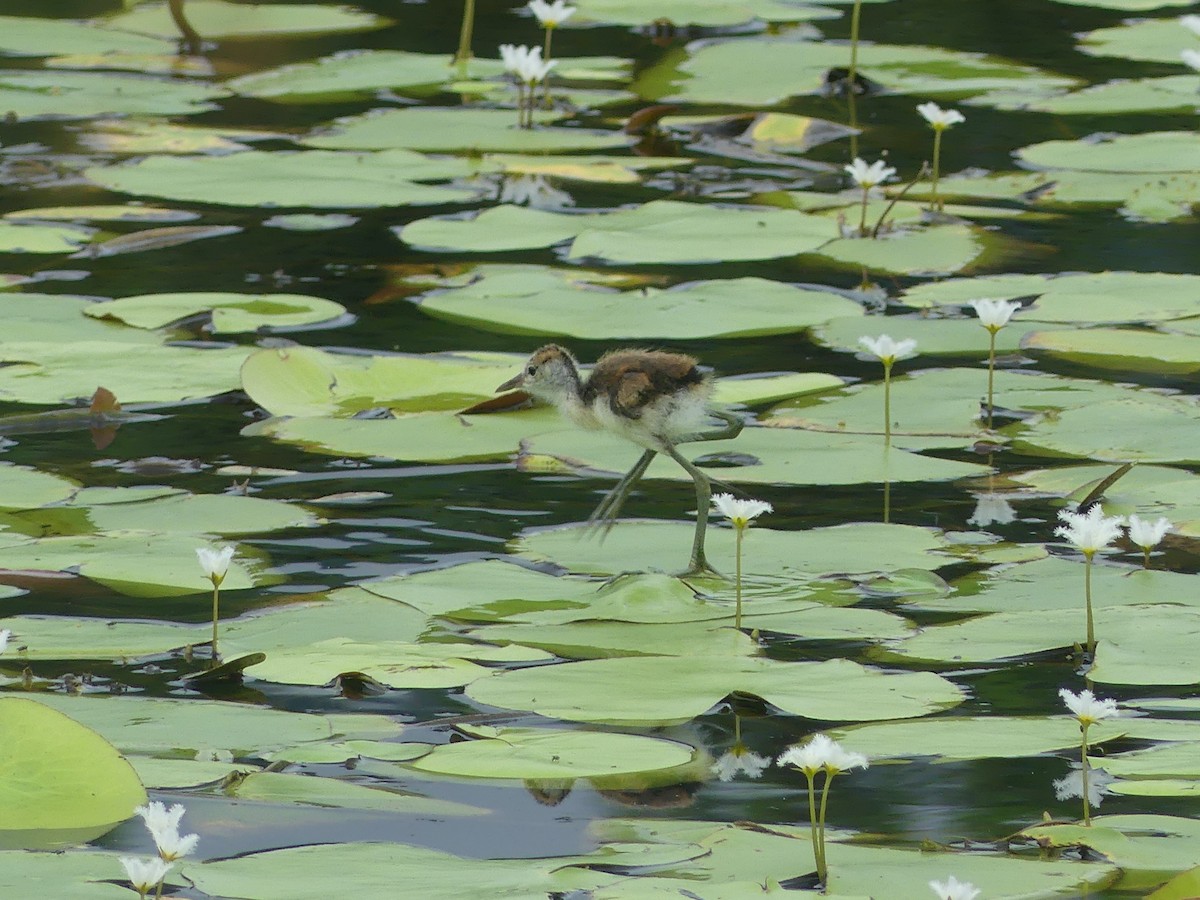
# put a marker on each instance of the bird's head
(551, 374)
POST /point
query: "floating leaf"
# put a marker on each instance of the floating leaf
(697, 12)
(934, 251)
(27, 237)
(224, 20)
(31, 36)
(335, 793)
(1137, 843)
(1151, 40)
(1158, 151)
(231, 313)
(87, 95)
(1145, 427)
(1119, 349)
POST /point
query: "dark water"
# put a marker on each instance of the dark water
(443, 514)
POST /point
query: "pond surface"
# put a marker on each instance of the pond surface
(304, 343)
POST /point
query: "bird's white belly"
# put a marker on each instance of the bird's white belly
(664, 419)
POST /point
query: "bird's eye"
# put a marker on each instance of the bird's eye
(532, 370)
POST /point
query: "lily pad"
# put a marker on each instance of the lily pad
(1157, 151)
(88, 95)
(315, 178)
(934, 336)
(1142, 95)
(1137, 843)
(551, 753)
(661, 231)
(932, 251)
(662, 690)
(63, 782)
(335, 793)
(30, 36)
(28, 237)
(1118, 349)
(546, 304)
(1151, 40)
(231, 313)
(224, 20)
(697, 12)
(1147, 428)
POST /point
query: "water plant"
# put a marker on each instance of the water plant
(739, 758)
(1088, 711)
(867, 177)
(939, 120)
(1090, 532)
(145, 874)
(993, 315)
(888, 351)
(464, 34)
(1148, 535)
(215, 564)
(953, 889)
(163, 824)
(821, 754)
(852, 75)
(740, 513)
(550, 16)
(527, 65)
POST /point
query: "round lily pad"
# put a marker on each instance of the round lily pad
(88, 95)
(1118, 349)
(231, 313)
(219, 19)
(1158, 151)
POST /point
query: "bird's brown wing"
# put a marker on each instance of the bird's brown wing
(633, 389)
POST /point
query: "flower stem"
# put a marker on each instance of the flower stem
(1087, 593)
(818, 855)
(1145, 557)
(216, 606)
(854, 18)
(937, 161)
(737, 616)
(464, 36)
(887, 404)
(823, 868)
(546, 80)
(862, 220)
(991, 372)
(1087, 809)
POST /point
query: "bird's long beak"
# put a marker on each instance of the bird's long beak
(512, 383)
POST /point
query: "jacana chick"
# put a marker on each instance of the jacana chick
(651, 398)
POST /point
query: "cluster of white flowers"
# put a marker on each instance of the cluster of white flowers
(163, 824)
(822, 753)
(1093, 531)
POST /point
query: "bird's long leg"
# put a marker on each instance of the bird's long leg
(610, 507)
(698, 564)
(732, 428)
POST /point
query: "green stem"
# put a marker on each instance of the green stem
(852, 115)
(737, 616)
(464, 36)
(862, 220)
(991, 372)
(823, 870)
(854, 18)
(1087, 593)
(216, 606)
(546, 57)
(937, 166)
(1087, 809)
(818, 861)
(887, 404)
(1145, 557)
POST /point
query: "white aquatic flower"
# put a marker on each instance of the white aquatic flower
(887, 349)
(512, 56)
(1090, 531)
(867, 176)
(740, 512)
(5, 634)
(534, 191)
(145, 874)
(215, 563)
(1071, 785)
(994, 314)
(529, 66)
(739, 758)
(163, 824)
(1147, 534)
(1087, 709)
(1191, 57)
(1191, 22)
(953, 889)
(822, 752)
(939, 118)
(991, 508)
(551, 15)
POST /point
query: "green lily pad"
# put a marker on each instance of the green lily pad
(218, 19)
(30, 36)
(87, 95)
(1118, 349)
(336, 793)
(545, 303)
(176, 774)
(231, 313)
(27, 237)
(766, 70)
(662, 231)
(314, 178)
(1146, 427)
(394, 663)
(65, 637)
(132, 136)
(461, 129)
(311, 222)
(696, 12)
(1126, 5)
(1101, 298)
(1174, 761)
(52, 372)
(62, 781)
(662, 689)
(1180, 887)
(1152, 40)
(1157, 151)
(934, 336)
(551, 753)
(344, 751)
(1145, 95)
(219, 514)
(1137, 843)
(931, 251)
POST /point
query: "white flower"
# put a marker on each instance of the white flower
(1192, 22)
(740, 758)
(822, 752)
(888, 350)
(530, 67)
(1087, 709)
(991, 508)
(953, 889)
(533, 190)
(511, 54)
(5, 634)
(551, 15)
(215, 563)
(163, 825)
(939, 118)
(740, 512)
(868, 176)
(1091, 531)
(994, 314)
(1071, 785)
(145, 874)
(1147, 534)
(1191, 57)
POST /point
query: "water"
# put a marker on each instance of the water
(439, 515)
